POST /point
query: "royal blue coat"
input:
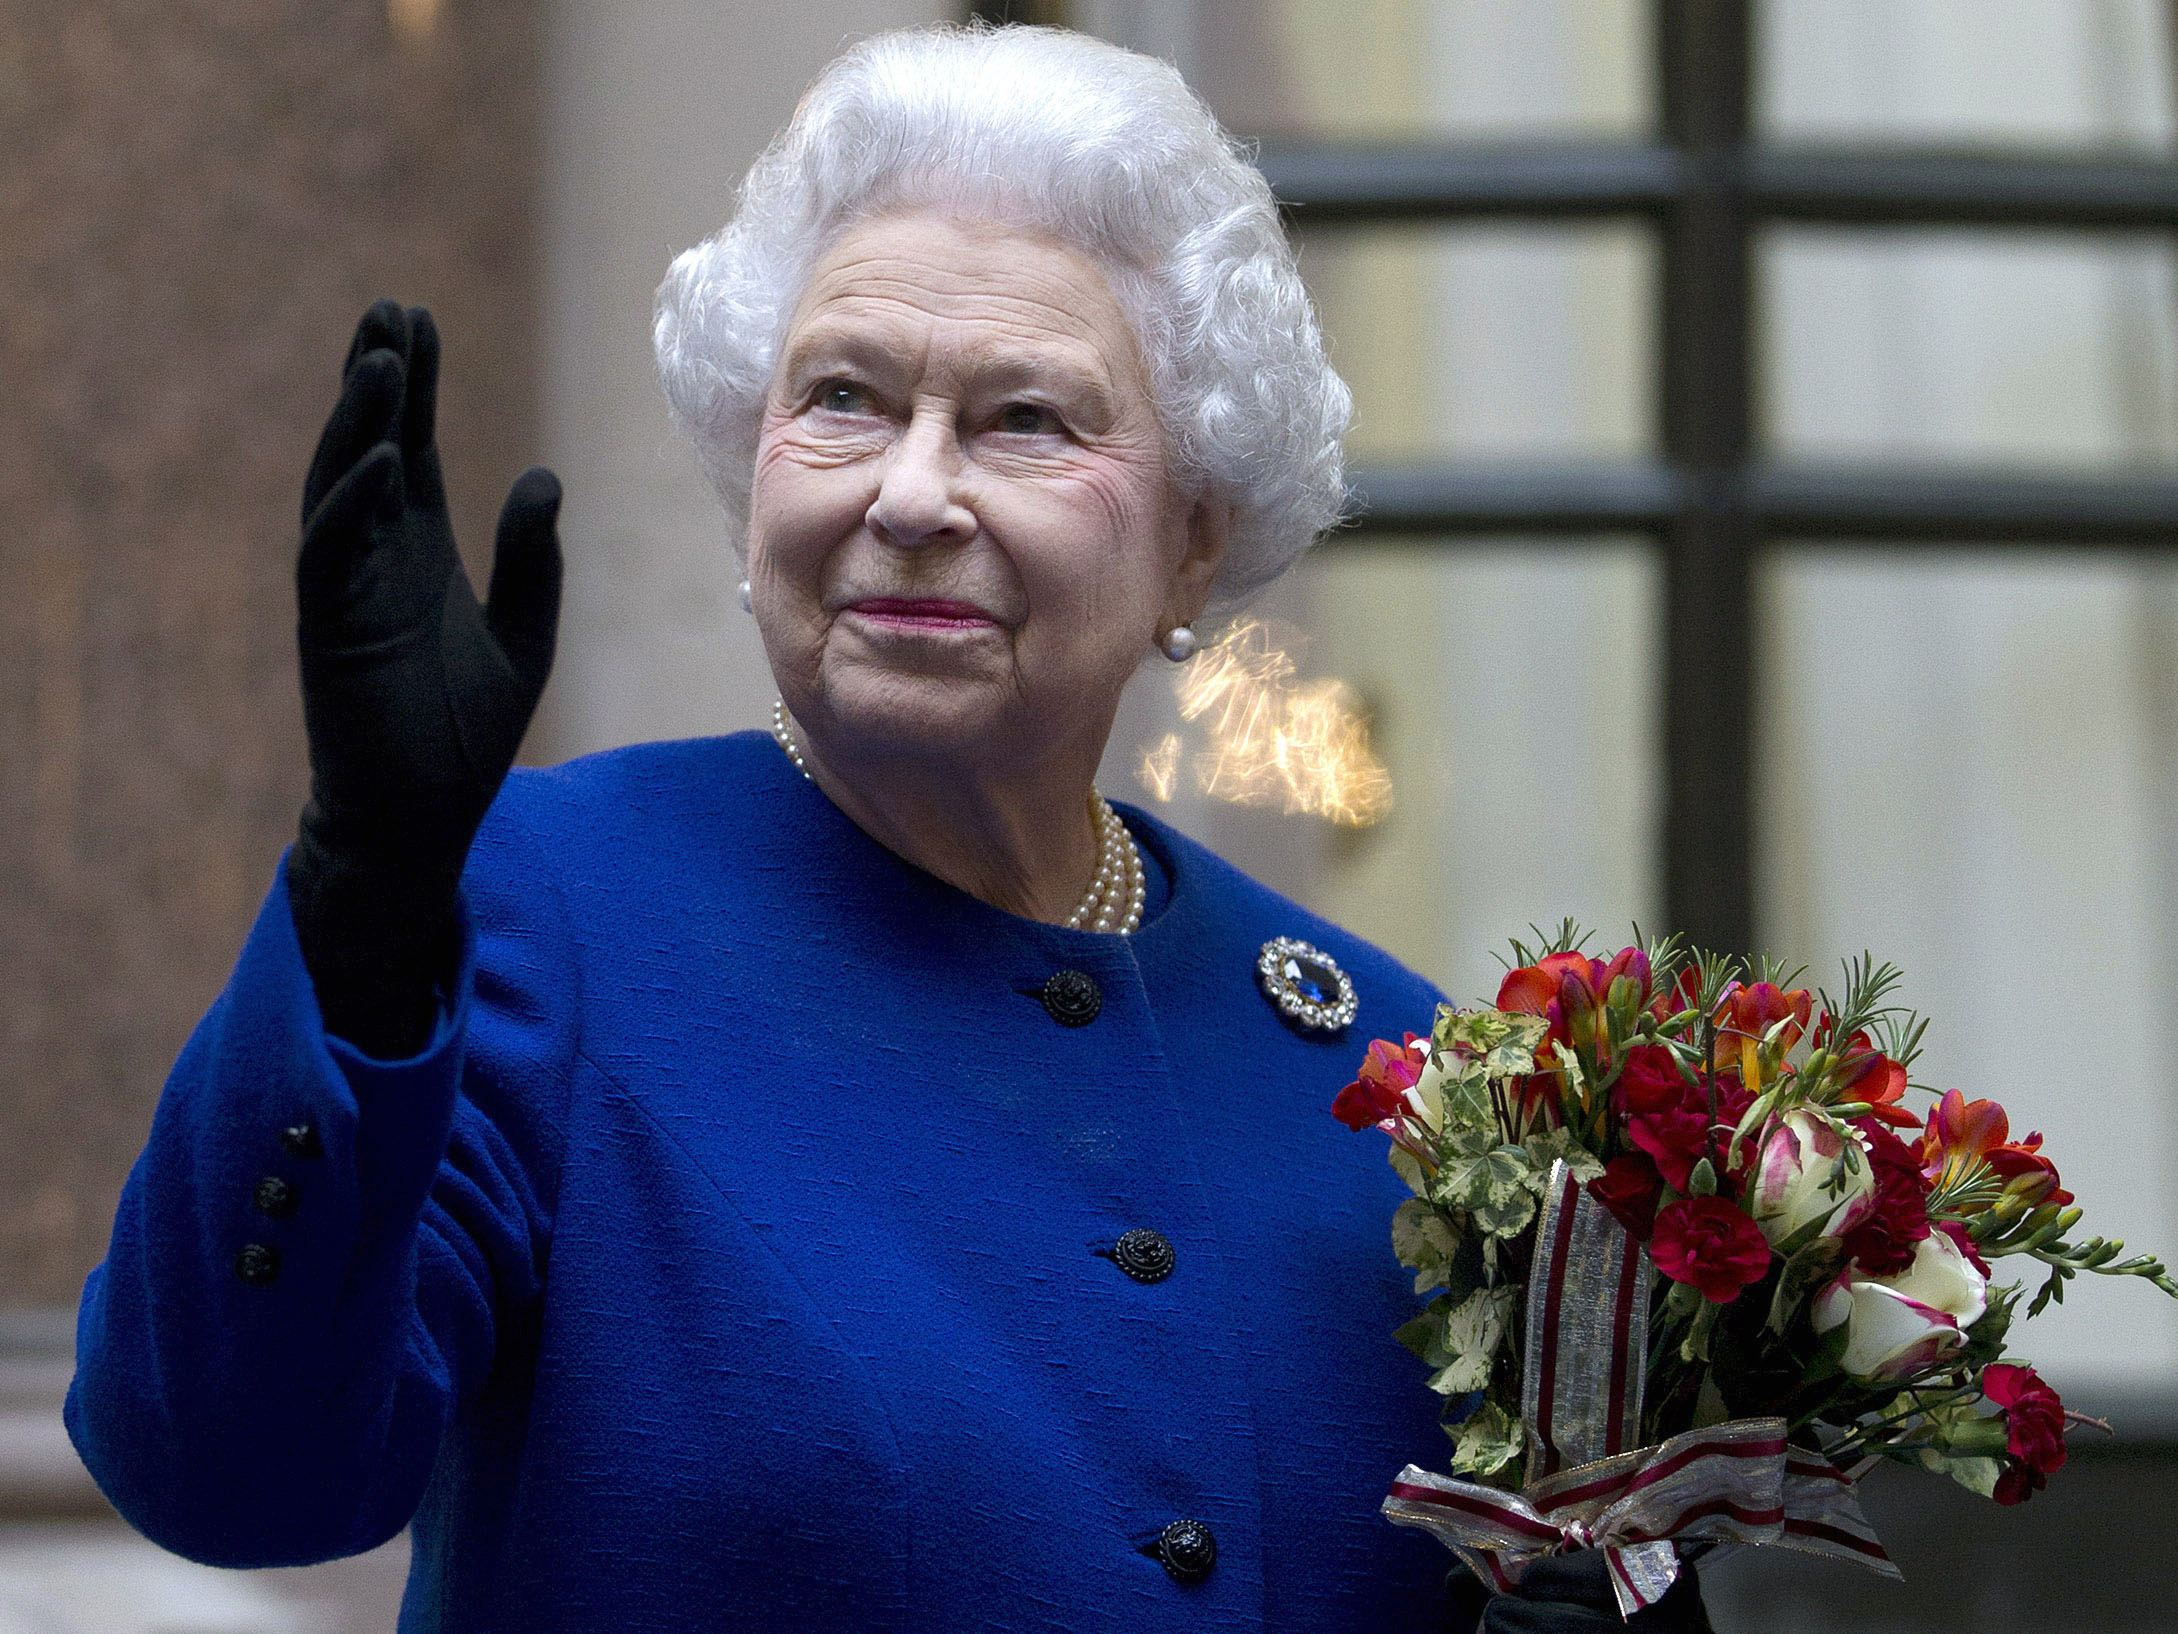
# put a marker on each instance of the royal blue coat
(730, 1258)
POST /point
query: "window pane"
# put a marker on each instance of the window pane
(1511, 692)
(1922, 344)
(1400, 68)
(1493, 341)
(2072, 73)
(1971, 767)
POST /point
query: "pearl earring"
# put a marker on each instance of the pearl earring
(1179, 644)
(748, 602)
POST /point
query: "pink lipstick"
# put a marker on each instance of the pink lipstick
(924, 613)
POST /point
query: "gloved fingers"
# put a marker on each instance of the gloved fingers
(523, 607)
(420, 412)
(342, 532)
(370, 402)
(383, 328)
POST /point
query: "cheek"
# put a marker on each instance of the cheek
(804, 496)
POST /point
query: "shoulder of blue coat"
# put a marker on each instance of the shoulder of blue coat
(623, 790)
(1388, 989)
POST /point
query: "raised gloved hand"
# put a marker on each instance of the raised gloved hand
(1571, 1594)
(414, 696)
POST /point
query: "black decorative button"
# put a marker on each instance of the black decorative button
(276, 1197)
(1187, 1550)
(1072, 997)
(301, 1139)
(257, 1264)
(1144, 1255)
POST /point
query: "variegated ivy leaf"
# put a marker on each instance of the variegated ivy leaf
(1504, 1042)
(1425, 1243)
(1465, 1090)
(1559, 1145)
(1409, 1168)
(1506, 1219)
(1486, 1441)
(1475, 1180)
(1474, 1331)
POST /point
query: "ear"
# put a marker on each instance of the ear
(1209, 525)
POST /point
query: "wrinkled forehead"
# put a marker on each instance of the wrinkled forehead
(935, 289)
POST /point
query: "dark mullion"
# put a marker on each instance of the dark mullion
(1706, 403)
(1345, 184)
(1935, 503)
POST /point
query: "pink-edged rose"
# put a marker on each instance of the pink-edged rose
(2034, 1426)
(1809, 1172)
(1711, 1244)
(1905, 1323)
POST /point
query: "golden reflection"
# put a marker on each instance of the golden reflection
(414, 21)
(1160, 768)
(1273, 739)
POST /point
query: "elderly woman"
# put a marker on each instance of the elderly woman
(849, 1178)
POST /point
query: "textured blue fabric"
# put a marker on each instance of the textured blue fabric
(728, 1260)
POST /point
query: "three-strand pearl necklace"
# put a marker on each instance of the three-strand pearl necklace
(1112, 905)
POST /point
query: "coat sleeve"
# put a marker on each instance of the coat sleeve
(316, 1253)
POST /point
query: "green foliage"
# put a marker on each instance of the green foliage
(1426, 1242)
(1487, 1443)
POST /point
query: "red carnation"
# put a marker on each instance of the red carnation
(1630, 1188)
(1711, 1244)
(1883, 1243)
(1677, 1140)
(2034, 1422)
(1650, 1081)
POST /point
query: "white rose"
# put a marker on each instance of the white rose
(1903, 1324)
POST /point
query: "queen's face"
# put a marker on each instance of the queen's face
(963, 535)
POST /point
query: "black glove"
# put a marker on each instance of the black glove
(415, 698)
(1571, 1594)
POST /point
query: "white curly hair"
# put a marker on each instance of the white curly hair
(1065, 135)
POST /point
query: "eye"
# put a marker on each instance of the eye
(843, 397)
(1028, 420)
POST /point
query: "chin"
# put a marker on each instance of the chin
(943, 716)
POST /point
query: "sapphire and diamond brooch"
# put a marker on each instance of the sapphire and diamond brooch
(1305, 985)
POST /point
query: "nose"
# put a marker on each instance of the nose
(919, 499)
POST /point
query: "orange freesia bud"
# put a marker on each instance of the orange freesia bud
(1870, 1075)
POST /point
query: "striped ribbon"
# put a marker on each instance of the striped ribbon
(1587, 1347)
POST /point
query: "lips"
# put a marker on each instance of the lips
(923, 613)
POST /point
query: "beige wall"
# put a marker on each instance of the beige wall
(197, 198)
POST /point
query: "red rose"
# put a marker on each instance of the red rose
(1711, 1244)
(1883, 1243)
(1630, 1188)
(2034, 1422)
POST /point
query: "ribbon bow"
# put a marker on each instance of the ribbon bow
(1738, 1482)
(1581, 1390)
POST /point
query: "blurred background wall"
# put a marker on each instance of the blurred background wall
(1968, 760)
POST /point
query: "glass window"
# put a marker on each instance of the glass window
(1376, 69)
(2031, 73)
(2039, 348)
(1495, 341)
(1971, 767)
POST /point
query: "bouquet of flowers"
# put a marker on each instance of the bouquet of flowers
(1697, 1265)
